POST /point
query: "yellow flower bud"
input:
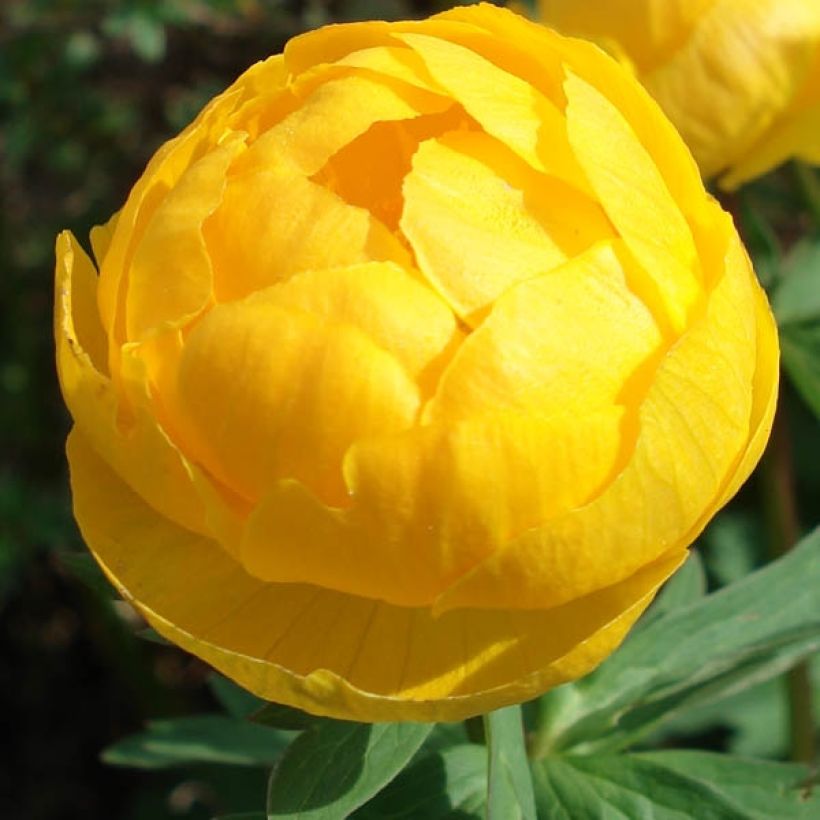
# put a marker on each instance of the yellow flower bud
(412, 368)
(740, 79)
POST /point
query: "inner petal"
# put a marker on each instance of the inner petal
(400, 313)
(479, 220)
(563, 342)
(335, 113)
(275, 222)
(266, 393)
(369, 171)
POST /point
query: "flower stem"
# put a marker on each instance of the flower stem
(780, 512)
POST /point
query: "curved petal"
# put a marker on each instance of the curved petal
(335, 113)
(266, 393)
(635, 196)
(507, 107)
(389, 304)
(429, 504)
(479, 221)
(560, 343)
(170, 277)
(739, 70)
(140, 452)
(692, 427)
(333, 654)
(313, 227)
(556, 54)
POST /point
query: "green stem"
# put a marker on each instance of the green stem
(809, 185)
(780, 512)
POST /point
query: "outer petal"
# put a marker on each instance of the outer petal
(376, 662)
(738, 71)
(635, 197)
(694, 425)
(646, 29)
(429, 504)
(140, 452)
(170, 278)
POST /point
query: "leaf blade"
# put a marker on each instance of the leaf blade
(335, 767)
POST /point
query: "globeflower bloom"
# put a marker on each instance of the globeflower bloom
(740, 79)
(411, 369)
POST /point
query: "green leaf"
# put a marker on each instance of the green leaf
(449, 784)
(445, 735)
(509, 783)
(688, 584)
(236, 701)
(283, 717)
(760, 239)
(719, 645)
(733, 545)
(199, 739)
(151, 635)
(796, 303)
(83, 566)
(669, 786)
(800, 350)
(335, 767)
(797, 297)
(245, 815)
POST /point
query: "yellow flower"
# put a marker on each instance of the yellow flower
(412, 368)
(739, 78)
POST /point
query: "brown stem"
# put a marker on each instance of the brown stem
(780, 511)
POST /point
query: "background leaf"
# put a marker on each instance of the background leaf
(199, 739)
(672, 785)
(721, 644)
(335, 767)
(800, 349)
(236, 701)
(449, 784)
(283, 717)
(796, 303)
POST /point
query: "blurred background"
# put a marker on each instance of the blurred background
(88, 90)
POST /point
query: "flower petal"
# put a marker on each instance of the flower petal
(429, 504)
(693, 426)
(399, 313)
(170, 278)
(266, 393)
(140, 452)
(313, 227)
(507, 107)
(479, 222)
(635, 197)
(561, 343)
(375, 662)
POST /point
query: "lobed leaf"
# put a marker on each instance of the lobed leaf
(671, 785)
(693, 655)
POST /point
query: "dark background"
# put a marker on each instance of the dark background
(88, 90)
